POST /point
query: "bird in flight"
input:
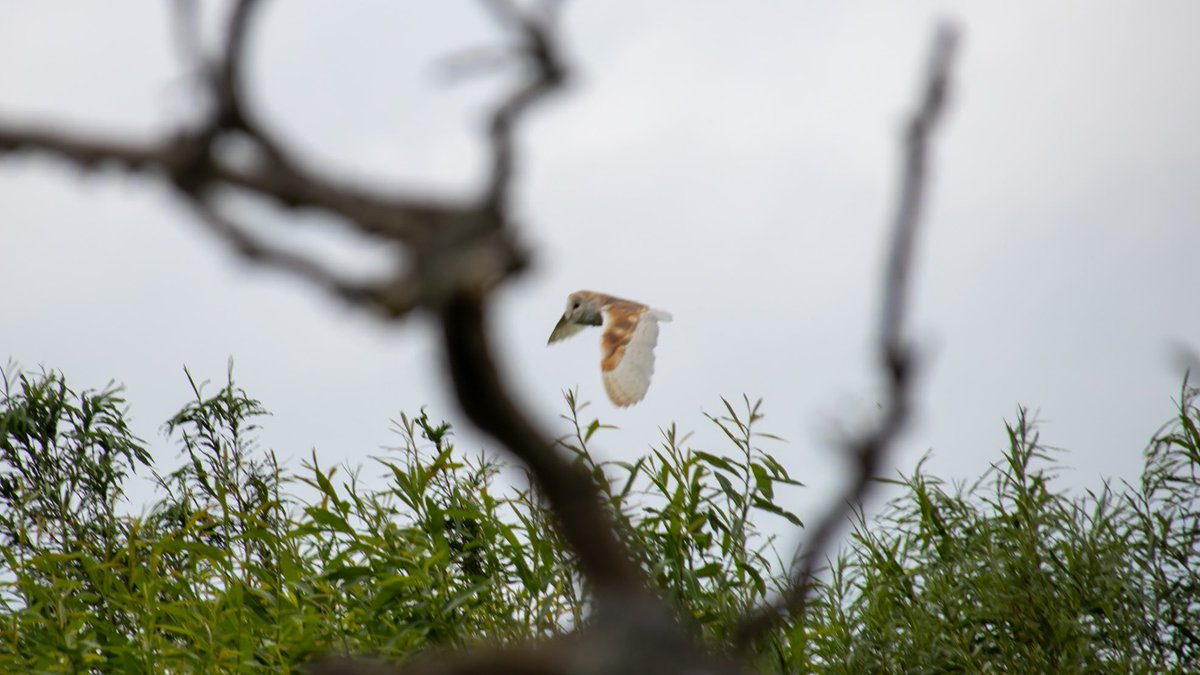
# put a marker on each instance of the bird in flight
(626, 346)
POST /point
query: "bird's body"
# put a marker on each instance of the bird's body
(626, 346)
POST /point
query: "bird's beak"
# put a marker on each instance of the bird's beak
(561, 330)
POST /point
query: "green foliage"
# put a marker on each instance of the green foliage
(1010, 575)
(240, 566)
(692, 517)
(63, 459)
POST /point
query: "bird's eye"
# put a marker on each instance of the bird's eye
(576, 305)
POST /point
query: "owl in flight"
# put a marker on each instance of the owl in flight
(627, 345)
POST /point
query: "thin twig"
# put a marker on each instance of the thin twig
(895, 359)
(537, 33)
(227, 73)
(84, 152)
(404, 218)
(259, 251)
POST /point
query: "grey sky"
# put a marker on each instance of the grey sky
(732, 163)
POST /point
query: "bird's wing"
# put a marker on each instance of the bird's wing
(627, 346)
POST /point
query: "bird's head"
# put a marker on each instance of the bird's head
(583, 309)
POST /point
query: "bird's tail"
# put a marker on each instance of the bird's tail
(661, 315)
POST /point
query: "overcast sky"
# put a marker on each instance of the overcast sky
(730, 162)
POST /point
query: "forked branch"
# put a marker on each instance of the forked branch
(459, 251)
(451, 253)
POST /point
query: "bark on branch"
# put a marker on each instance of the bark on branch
(459, 251)
(869, 450)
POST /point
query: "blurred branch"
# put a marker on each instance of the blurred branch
(895, 358)
(450, 253)
(253, 249)
(537, 29)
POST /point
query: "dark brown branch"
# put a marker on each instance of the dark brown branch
(459, 250)
(912, 192)
(568, 487)
(895, 359)
(86, 153)
(229, 73)
(536, 30)
(403, 218)
(384, 296)
(229, 91)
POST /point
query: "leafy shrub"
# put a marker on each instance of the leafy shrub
(1010, 575)
(231, 569)
(241, 566)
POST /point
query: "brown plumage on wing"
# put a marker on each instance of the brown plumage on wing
(626, 345)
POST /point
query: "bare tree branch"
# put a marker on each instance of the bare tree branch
(255, 250)
(895, 359)
(86, 153)
(229, 73)
(454, 253)
(537, 31)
